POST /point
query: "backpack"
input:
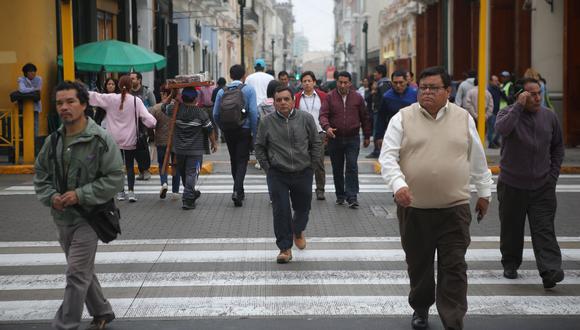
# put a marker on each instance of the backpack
(232, 108)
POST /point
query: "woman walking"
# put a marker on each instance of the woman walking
(123, 113)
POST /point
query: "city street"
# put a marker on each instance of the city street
(214, 267)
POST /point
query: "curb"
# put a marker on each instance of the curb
(495, 169)
(206, 168)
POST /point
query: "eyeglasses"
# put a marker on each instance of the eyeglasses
(398, 82)
(433, 89)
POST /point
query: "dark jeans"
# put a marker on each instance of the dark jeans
(424, 231)
(540, 207)
(492, 138)
(129, 158)
(163, 177)
(345, 150)
(239, 143)
(289, 188)
(143, 158)
(319, 171)
(189, 168)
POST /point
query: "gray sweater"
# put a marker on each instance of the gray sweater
(287, 144)
(532, 148)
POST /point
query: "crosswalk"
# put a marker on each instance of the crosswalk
(238, 277)
(256, 183)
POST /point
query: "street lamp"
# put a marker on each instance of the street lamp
(204, 55)
(365, 30)
(273, 54)
(242, 4)
(285, 53)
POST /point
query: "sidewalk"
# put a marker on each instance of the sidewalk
(220, 163)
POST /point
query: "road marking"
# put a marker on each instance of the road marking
(266, 255)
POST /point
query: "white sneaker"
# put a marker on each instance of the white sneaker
(257, 166)
(132, 198)
(121, 196)
(163, 191)
(146, 175)
(175, 196)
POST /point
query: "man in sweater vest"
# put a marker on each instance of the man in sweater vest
(531, 154)
(430, 153)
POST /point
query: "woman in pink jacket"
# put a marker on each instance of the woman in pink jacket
(123, 111)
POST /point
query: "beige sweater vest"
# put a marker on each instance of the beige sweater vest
(434, 156)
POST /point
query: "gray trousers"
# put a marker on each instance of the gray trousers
(79, 243)
(319, 171)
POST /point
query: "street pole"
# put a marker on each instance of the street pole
(242, 4)
(366, 32)
(482, 68)
(272, 53)
(68, 60)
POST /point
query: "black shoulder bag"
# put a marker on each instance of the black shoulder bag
(142, 134)
(103, 218)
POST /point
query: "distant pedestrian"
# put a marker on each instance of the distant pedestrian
(221, 83)
(142, 156)
(192, 129)
(111, 86)
(267, 106)
(381, 86)
(284, 80)
(30, 82)
(532, 152)
(395, 99)
(464, 87)
(471, 102)
(342, 115)
(495, 91)
(240, 134)
(507, 88)
(411, 80)
(161, 140)
(124, 111)
(259, 80)
(310, 100)
(287, 145)
(430, 154)
(84, 169)
(531, 73)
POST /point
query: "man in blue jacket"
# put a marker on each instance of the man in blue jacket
(240, 140)
(395, 99)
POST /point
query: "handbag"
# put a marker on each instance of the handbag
(103, 218)
(142, 134)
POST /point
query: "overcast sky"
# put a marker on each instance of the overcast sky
(316, 20)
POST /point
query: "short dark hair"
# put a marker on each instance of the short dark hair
(308, 73)
(282, 73)
(139, 75)
(471, 73)
(28, 67)
(82, 92)
(281, 89)
(345, 74)
(399, 73)
(237, 72)
(524, 81)
(271, 72)
(382, 69)
(272, 87)
(221, 81)
(436, 71)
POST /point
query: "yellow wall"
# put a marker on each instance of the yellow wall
(28, 35)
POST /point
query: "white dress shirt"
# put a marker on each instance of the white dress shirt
(312, 105)
(389, 157)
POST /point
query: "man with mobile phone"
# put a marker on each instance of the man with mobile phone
(531, 155)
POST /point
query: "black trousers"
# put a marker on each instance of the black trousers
(143, 158)
(424, 231)
(239, 142)
(540, 207)
(286, 188)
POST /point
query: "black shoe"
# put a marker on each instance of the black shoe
(554, 277)
(510, 273)
(340, 201)
(372, 155)
(237, 200)
(188, 204)
(196, 194)
(353, 204)
(419, 321)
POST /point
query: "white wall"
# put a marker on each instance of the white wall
(548, 43)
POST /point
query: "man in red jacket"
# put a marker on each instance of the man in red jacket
(342, 115)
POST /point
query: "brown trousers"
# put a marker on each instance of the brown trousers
(424, 231)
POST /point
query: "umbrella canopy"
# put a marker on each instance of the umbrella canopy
(115, 56)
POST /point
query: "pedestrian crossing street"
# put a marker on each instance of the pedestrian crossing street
(238, 277)
(256, 183)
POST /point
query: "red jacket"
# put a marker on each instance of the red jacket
(298, 96)
(346, 119)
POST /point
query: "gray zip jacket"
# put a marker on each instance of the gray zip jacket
(287, 144)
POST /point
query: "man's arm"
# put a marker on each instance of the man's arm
(216, 107)
(365, 120)
(151, 97)
(389, 157)
(260, 148)
(44, 182)
(508, 118)
(556, 149)
(105, 187)
(480, 175)
(253, 109)
(324, 114)
(313, 139)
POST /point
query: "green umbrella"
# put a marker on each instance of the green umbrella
(115, 56)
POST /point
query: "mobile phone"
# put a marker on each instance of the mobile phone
(518, 93)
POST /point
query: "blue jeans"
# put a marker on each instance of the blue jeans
(163, 177)
(492, 138)
(289, 190)
(345, 150)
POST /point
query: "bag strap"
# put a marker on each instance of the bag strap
(136, 117)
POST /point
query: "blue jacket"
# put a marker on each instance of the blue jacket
(251, 121)
(393, 102)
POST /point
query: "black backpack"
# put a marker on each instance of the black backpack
(232, 108)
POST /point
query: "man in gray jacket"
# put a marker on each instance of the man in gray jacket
(89, 168)
(287, 146)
